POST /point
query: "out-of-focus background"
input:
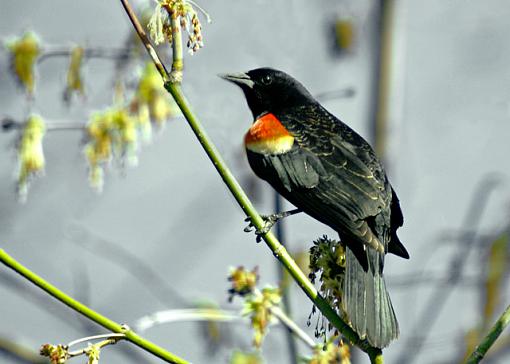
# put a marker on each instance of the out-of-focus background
(431, 82)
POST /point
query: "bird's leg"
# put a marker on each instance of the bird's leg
(269, 221)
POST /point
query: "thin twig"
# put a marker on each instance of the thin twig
(276, 247)
(9, 124)
(491, 337)
(205, 13)
(211, 314)
(96, 337)
(112, 340)
(87, 312)
(93, 52)
(189, 314)
(64, 127)
(293, 327)
(145, 40)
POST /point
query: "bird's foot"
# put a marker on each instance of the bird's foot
(269, 222)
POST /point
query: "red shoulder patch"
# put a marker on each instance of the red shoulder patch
(267, 135)
(267, 127)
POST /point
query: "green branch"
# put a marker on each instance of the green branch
(177, 59)
(89, 313)
(244, 202)
(491, 337)
(276, 247)
(217, 315)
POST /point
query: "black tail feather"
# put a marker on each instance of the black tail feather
(396, 247)
(367, 302)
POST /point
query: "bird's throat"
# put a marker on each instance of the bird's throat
(267, 135)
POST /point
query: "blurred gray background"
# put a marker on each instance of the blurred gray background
(448, 133)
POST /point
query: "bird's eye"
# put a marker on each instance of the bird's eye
(267, 79)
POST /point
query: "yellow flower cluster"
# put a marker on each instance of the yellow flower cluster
(243, 281)
(195, 41)
(344, 32)
(151, 102)
(23, 55)
(58, 354)
(93, 352)
(257, 304)
(258, 307)
(30, 153)
(240, 357)
(160, 26)
(327, 260)
(74, 77)
(331, 353)
(110, 134)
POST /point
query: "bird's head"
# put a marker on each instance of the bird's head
(269, 91)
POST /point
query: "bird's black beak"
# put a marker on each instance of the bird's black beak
(241, 79)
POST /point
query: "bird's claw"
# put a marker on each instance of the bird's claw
(269, 221)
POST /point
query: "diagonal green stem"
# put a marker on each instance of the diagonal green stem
(244, 202)
(177, 60)
(89, 313)
(491, 337)
(276, 247)
(284, 286)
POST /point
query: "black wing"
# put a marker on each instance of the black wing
(353, 194)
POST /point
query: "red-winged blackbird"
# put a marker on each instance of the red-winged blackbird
(331, 173)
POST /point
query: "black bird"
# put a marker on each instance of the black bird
(331, 173)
